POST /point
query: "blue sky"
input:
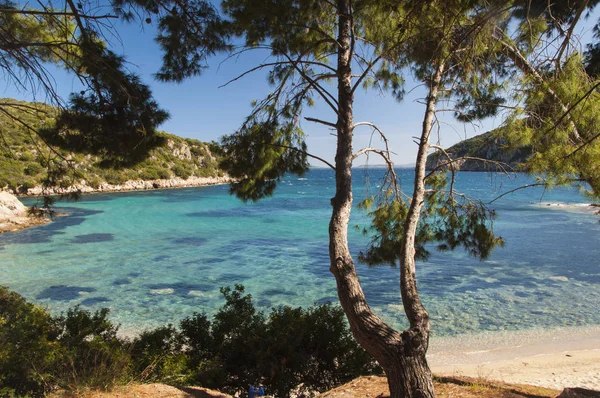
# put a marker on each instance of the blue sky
(200, 108)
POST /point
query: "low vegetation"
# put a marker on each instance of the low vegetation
(492, 151)
(27, 161)
(288, 349)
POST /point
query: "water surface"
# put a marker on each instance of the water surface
(154, 257)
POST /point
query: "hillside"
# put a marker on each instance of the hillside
(25, 158)
(491, 146)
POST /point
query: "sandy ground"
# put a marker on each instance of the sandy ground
(555, 359)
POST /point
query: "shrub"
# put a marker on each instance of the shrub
(154, 173)
(115, 177)
(33, 169)
(94, 356)
(29, 350)
(163, 173)
(26, 157)
(158, 356)
(292, 346)
(94, 182)
(182, 171)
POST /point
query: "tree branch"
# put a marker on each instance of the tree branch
(326, 123)
(54, 13)
(305, 153)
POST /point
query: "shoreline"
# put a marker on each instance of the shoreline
(551, 358)
(20, 220)
(128, 186)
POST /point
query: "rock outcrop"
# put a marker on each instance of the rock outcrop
(14, 215)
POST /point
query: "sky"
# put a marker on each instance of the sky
(205, 108)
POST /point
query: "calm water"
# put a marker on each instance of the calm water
(155, 257)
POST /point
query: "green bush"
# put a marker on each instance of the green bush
(182, 171)
(26, 157)
(154, 173)
(39, 353)
(33, 169)
(115, 177)
(94, 357)
(290, 347)
(158, 356)
(29, 350)
(94, 182)
(163, 173)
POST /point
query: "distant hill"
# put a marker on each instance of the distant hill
(24, 157)
(491, 146)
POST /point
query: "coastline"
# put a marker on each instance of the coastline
(131, 185)
(18, 219)
(551, 358)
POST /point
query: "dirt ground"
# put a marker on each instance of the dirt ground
(362, 387)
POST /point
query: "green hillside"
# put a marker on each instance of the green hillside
(25, 158)
(492, 146)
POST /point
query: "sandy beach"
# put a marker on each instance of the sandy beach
(567, 357)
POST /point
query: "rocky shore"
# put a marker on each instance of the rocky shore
(14, 215)
(132, 185)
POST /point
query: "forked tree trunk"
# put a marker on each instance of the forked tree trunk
(402, 355)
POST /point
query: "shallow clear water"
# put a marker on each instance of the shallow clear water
(155, 257)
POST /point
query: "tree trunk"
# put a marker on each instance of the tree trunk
(402, 355)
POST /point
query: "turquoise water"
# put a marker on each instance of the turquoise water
(154, 257)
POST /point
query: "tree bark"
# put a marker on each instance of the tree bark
(402, 355)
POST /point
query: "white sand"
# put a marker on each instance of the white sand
(567, 357)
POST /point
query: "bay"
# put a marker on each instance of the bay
(155, 257)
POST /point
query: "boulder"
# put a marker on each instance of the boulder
(14, 215)
(11, 207)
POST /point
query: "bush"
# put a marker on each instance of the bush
(115, 177)
(154, 173)
(182, 171)
(33, 169)
(163, 173)
(94, 357)
(158, 356)
(29, 350)
(292, 346)
(39, 352)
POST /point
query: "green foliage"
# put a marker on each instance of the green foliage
(447, 218)
(26, 160)
(189, 31)
(158, 356)
(154, 173)
(592, 54)
(93, 355)
(29, 351)
(566, 145)
(182, 171)
(240, 346)
(260, 154)
(115, 118)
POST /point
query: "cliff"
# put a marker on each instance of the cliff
(491, 146)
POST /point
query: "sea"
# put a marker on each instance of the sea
(156, 257)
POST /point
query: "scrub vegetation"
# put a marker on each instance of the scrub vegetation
(288, 349)
(25, 157)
